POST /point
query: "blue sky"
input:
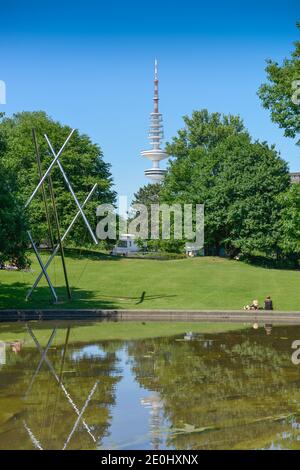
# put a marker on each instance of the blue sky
(90, 65)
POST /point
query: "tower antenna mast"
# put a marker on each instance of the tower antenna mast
(156, 153)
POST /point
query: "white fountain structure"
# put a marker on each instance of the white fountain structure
(155, 154)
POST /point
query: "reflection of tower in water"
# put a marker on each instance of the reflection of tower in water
(155, 405)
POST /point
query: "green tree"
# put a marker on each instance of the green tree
(281, 94)
(289, 223)
(151, 194)
(81, 159)
(148, 194)
(13, 224)
(217, 164)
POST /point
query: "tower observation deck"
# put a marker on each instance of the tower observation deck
(156, 153)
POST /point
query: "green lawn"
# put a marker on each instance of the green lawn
(197, 283)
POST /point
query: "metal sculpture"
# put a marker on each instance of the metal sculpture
(59, 246)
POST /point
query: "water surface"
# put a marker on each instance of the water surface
(62, 388)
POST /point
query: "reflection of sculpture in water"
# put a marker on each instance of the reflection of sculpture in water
(154, 403)
(58, 379)
(66, 401)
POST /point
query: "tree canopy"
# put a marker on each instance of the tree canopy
(216, 163)
(13, 223)
(281, 94)
(82, 160)
(147, 195)
(289, 222)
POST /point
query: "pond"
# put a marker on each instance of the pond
(147, 385)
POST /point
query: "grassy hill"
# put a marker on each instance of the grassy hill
(197, 283)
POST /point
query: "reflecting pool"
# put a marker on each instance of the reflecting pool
(147, 385)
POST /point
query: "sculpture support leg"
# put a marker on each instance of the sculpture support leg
(57, 246)
(42, 266)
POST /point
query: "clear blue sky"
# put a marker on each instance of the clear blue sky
(90, 65)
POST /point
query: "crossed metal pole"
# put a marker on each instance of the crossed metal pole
(44, 358)
(42, 266)
(49, 169)
(45, 266)
(80, 212)
(71, 191)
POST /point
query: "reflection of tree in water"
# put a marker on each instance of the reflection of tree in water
(46, 412)
(241, 391)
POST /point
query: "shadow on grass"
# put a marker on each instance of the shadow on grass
(140, 299)
(84, 253)
(271, 263)
(74, 253)
(146, 297)
(12, 296)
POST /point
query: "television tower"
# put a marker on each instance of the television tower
(155, 154)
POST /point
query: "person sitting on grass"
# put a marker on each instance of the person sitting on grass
(253, 306)
(268, 303)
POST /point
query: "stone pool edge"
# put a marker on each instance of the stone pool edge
(150, 315)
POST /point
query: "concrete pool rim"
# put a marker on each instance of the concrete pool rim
(260, 316)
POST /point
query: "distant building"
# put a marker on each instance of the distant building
(295, 177)
(192, 249)
(125, 245)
